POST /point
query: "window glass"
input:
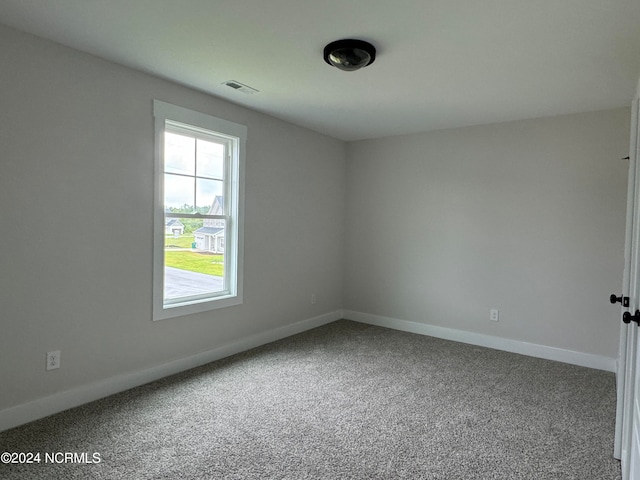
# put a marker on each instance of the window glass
(197, 255)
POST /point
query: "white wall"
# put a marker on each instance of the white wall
(76, 158)
(527, 217)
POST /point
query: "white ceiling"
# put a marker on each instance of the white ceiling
(440, 63)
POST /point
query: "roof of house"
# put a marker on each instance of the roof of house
(217, 205)
(209, 230)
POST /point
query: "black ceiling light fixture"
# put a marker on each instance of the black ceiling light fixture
(349, 55)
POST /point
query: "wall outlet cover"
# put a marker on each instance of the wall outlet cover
(53, 360)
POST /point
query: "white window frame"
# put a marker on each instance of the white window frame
(172, 115)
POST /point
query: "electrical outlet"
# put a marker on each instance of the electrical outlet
(494, 315)
(53, 360)
(313, 299)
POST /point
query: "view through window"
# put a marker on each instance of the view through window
(195, 220)
(198, 178)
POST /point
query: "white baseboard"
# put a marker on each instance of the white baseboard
(598, 362)
(43, 407)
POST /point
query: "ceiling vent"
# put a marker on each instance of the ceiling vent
(240, 87)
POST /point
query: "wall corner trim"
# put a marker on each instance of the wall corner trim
(581, 359)
(42, 407)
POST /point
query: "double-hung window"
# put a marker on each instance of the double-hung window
(198, 212)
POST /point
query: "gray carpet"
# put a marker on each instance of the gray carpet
(346, 400)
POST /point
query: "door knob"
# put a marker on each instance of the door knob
(628, 318)
(622, 299)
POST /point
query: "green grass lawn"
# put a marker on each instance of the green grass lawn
(183, 241)
(192, 261)
(195, 262)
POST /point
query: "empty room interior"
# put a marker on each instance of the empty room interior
(235, 246)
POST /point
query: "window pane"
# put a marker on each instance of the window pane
(207, 192)
(193, 257)
(178, 193)
(210, 159)
(179, 153)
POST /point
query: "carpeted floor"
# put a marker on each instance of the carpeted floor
(344, 401)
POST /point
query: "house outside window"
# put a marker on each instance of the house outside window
(198, 211)
(210, 237)
(174, 227)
